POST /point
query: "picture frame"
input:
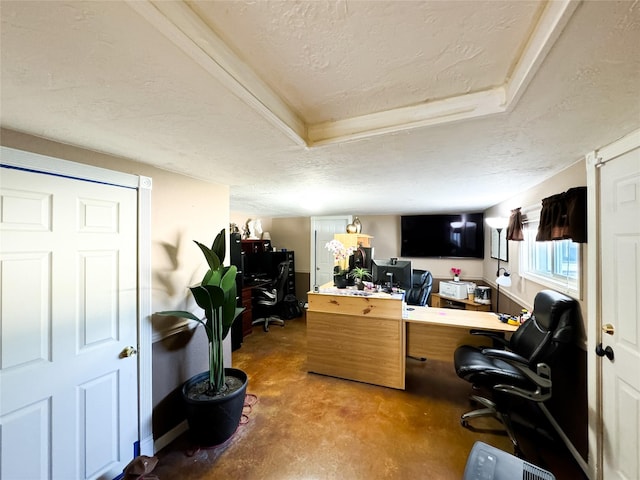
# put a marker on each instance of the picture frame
(504, 245)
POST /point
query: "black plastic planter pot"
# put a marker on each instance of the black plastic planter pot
(214, 420)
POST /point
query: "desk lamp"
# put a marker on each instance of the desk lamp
(499, 224)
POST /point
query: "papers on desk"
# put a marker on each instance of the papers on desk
(345, 291)
(352, 292)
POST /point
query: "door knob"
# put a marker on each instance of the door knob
(608, 329)
(604, 352)
(128, 352)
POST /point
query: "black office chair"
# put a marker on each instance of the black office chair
(523, 369)
(420, 291)
(268, 299)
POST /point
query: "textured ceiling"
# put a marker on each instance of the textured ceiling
(307, 107)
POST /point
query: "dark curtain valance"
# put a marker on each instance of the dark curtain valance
(514, 229)
(564, 216)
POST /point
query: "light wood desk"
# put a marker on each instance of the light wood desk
(366, 338)
(356, 337)
(435, 333)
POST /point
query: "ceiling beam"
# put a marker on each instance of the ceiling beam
(180, 24)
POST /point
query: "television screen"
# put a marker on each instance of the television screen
(446, 235)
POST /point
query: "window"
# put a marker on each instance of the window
(555, 264)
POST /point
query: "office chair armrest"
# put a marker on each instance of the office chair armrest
(542, 381)
(270, 294)
(495, 336)
(543, 376)
(506, 356)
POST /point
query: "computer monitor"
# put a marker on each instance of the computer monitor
(400, 269)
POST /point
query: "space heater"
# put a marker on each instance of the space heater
(488, 463)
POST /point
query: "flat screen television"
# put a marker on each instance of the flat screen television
(445, 235)
(401, 273)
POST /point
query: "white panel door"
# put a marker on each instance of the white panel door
(620, 227)
(68, 400)
(322, 231)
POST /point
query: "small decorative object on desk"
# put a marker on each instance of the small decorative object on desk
(471, 291)
(357, 224)
(456, 274)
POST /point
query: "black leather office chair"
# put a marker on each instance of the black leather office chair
(268, 299)
(420, 291)
(523, 369)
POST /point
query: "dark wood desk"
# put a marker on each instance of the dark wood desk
(247, 302)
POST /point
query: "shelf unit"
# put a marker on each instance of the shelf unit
(441, 301)
(354, 240)
(255, 246)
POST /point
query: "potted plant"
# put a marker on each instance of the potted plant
(341, 255)
(359, 274)
(214, 398)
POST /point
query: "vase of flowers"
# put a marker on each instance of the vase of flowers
(341, 256)
(456, 274)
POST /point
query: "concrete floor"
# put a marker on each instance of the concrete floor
(308, 426)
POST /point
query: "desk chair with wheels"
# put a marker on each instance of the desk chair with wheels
(268, 298)
(523, 369)
(420, 291)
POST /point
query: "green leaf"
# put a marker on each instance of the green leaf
(216, 295)
(213, 277)
(228, 280)
(213, 260)
(219, 246)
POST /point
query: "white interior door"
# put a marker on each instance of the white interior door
(68, 402)
(322, 231)
(620, 300)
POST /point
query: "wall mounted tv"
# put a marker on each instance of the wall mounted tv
(452, 235)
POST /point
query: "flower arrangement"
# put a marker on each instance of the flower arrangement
(456, 272)
(340, 253)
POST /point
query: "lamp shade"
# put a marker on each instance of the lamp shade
(497, 222)
(504, 280)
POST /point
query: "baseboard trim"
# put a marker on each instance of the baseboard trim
(146, 446)
(170, 436)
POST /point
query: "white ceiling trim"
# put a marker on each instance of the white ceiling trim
(437, 112)
(180, 24)
(554, 18)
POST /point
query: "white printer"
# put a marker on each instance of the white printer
(454, 289)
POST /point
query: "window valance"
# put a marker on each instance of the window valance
(514, 229)
(564, 216)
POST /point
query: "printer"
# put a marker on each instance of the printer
(454, 289)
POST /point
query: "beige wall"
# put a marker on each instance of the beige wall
(294, 234)
(522, 290)
(178, 206)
